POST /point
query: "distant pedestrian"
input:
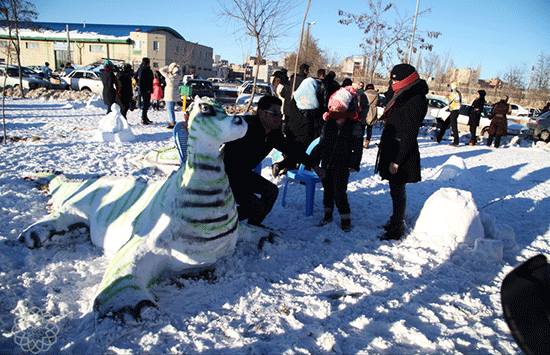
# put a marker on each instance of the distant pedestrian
(68, 68)
(474, 114)
(499, 122)
(47, 71)
(173, 75)
(110, 84)
(372, 115)
(398, 158)
(126, 96)
(454, 100)
(156, 95)
(144, 79)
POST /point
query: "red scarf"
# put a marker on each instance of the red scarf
(398, 86)
(405, 82)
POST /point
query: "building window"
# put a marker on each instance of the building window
(155, 45)
(32, 45)
(96, 48)
(137, 44)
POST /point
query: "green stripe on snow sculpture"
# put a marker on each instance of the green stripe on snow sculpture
(185, 222)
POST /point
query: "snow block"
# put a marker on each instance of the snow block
(453, 168)
(490, 249)
(449, 217)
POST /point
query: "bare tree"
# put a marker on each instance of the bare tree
(515, 77)
(540, 78)
(310, 54)
(16, 14)
(265, 21)
(386, 34)
(431, 64)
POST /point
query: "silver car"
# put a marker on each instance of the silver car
(540, 126)
(10, 75)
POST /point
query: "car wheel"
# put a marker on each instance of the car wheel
(86, 89)
(545, 136)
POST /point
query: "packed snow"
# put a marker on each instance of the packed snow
(478, 213)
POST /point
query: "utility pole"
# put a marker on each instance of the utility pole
(414, 30)
(68, 45)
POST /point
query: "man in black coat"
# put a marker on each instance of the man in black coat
(110, 84)
(398, 158)
(243, 155)
(144, 77)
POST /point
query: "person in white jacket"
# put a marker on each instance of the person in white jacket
(173, 75)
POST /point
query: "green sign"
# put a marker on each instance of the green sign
(186, 90)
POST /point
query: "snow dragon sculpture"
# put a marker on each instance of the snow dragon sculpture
(169, 227)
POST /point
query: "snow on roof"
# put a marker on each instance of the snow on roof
(86, 30)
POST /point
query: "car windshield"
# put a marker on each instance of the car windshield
(14, 72)
(260, 90)
(200, 85)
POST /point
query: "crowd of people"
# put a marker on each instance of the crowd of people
(142, 89)
(304, 108)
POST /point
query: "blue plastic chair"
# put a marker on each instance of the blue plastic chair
(181, 136)
(310, 178)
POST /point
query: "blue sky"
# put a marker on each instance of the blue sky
(498, 34)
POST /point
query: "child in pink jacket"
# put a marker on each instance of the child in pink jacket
(156, 95)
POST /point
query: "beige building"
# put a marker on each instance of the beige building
(83, 44)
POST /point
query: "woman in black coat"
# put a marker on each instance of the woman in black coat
(475, 114)
(126, 89)
(398, 158)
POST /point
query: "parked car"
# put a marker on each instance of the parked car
(83, 80)
(541, 127)
(262, 89)
(517, 110)
(11, 76)
(200, 87)
(437, 107)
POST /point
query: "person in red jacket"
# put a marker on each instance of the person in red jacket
(156, 95)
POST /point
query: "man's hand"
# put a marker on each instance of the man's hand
(319, 171)
(393, 168)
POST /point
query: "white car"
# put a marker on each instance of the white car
(11, 76)
(517, 110)
(262, 89)
(85, 80)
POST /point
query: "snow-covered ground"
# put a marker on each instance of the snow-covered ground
(477, 213)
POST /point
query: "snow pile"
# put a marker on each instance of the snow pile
(113, 128)
(453, 169)
(449, 217)
(96, 102)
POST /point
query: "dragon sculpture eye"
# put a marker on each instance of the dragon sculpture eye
(206, 109)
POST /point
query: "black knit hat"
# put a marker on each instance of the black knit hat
(401, 71)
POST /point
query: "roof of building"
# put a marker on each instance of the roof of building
(102, 29)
